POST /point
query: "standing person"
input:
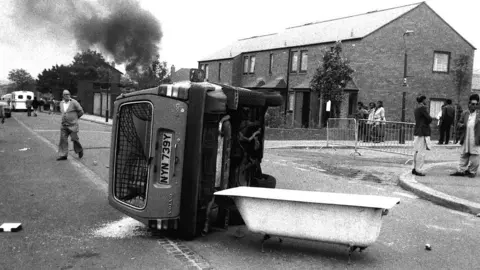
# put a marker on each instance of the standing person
(71, 111)
(421, 135)
(369, 130)
(35, 105)
(458, 115)
(446, 121)
(360, 117)
(470, 125)
(28, 103)
(379, 118)
(2, 110)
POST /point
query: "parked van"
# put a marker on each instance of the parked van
(19, 98)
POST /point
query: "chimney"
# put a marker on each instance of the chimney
(172, 70)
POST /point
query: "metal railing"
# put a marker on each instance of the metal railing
(385, 136)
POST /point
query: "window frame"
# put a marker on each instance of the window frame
(206, 71)
(293, 53)
(251, 64)
(300, 61)
(270, 64)
(219, 72)
(246, 63)
(442, 100)
(448, 62)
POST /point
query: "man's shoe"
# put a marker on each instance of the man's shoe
(62, 158)
(458, 174)
(469, 174)
(414, 172)
(80, 154)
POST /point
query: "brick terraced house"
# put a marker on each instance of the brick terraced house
(374, 43)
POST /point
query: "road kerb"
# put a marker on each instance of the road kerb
(407, 181)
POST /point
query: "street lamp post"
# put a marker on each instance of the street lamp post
(108, 88)
(402, 130)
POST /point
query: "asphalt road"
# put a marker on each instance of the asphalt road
(67, 219)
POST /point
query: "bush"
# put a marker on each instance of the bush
(275, 118)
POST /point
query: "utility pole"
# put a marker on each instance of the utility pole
(401, 138)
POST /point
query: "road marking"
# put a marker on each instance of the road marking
(184, 253)
(317, 169)
(93, 177)
(58, 130)
(459, 213)
(442, 228)
(301, 169)
(406, 195)
(279, 163)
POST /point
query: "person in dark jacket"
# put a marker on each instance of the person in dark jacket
(446, 121)
(421, 134)
(35, 105)
(28, 103)
(469, 124)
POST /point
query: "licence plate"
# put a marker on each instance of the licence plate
(165, 160)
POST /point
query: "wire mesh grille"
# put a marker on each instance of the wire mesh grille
(131, 160)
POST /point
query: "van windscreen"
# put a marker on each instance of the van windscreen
(20, 96)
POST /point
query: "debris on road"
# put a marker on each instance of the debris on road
(23, 149)
(11, 227)
(428, 247)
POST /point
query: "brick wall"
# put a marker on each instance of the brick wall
(378, 61)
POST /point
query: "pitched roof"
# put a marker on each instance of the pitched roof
(351, 27)
(476, 82)
(182, 74)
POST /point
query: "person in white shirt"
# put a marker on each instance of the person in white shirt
(71, 111)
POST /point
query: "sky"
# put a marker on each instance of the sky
(195, 29)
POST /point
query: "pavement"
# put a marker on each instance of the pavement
(457, 193)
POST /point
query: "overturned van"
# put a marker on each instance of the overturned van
(175, 145)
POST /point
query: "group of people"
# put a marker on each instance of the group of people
(32, 105)
(71, 111)
(371, 122)
(468, 128)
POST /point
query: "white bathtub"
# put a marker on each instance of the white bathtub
(350, 219)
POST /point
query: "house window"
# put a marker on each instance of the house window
(271, 64)
(303, 61)
(245, 64)
(291, 101)
(219, 71)
(202, 67)
(435, 107)
(206, 71)
(252, 64)
(294, 62)
(441, 61)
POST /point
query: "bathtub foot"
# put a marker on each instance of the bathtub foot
(351, 249)
(265, 238)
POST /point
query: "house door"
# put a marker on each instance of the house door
(306, 109)
(97, 104)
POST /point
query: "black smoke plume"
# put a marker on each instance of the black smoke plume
(121, 28)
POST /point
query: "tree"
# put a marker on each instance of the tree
(150, 76)
(90, 65)
(462, 74)
(21, 78)
(56, 79)
(331, 77)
